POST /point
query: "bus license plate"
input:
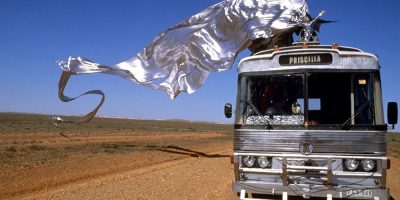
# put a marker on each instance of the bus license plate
(359, 193)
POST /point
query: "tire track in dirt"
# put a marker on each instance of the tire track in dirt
(188, 178)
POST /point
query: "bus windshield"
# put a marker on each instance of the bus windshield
(307, 99)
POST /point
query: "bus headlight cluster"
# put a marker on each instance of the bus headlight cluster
(262, 161)
(249, 161)
(352, 164)
(366, 165)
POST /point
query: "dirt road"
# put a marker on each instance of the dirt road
(199, 168)
(187, 178)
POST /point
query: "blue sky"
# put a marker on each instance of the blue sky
(34, 34)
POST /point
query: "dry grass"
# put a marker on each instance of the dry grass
(27, 139)
(28, 123)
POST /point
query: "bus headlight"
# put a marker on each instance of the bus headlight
(368, 165)
(263, 162)
(352, 164)
(249, 161)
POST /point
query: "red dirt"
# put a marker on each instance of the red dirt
(132, 164)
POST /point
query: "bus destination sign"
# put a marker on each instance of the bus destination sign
(306, 59)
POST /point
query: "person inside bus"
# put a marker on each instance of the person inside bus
(278, 107)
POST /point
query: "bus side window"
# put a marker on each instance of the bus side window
(363, 104)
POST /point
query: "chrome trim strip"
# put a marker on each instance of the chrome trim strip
(383, 158)
(333, 142)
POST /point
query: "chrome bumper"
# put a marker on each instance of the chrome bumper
(306, 191)
(328, 176)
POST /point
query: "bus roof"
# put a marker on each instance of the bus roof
(309, 57)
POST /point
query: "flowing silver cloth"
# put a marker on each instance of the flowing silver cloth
(180, 58)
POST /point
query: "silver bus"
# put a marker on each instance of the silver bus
(309, 122)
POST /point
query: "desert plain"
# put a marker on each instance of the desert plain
(112, 158)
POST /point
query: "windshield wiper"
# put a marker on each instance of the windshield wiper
(347, 124)
(254, 108)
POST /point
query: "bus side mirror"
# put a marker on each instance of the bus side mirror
(392, 113)
(228, 110)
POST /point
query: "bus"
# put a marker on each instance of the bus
(309, 122)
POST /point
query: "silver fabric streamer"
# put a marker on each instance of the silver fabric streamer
(180, 58)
